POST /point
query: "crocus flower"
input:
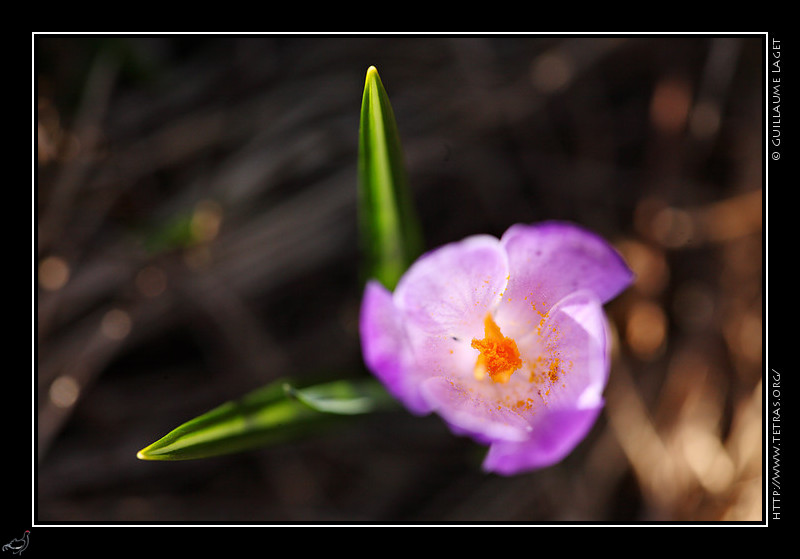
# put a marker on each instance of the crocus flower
(505, 339)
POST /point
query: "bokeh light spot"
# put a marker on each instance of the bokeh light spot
(669, 108)
(151, 281)
(64, 391)
(551, 72)
(53, 273)
(116, 324)
(672, 227)
(206, 221)
(646, 329)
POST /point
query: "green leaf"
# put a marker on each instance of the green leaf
(344, 397)
(272, 414)
(391, 237)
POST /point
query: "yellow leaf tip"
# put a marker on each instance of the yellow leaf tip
(372, 75)
(145, 454)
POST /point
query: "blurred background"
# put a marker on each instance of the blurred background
(195, 238)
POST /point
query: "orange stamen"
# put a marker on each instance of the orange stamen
(499, 355)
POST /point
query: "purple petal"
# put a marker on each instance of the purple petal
(448, 291)
(574, 336)
(550, 260)
(469, 412)
(574, 352)
(551, 440)
(385, 346)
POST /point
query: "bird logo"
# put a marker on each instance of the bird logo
(17, 546)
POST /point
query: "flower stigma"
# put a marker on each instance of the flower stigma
(499, 356)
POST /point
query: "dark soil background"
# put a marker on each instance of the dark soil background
(195, 238)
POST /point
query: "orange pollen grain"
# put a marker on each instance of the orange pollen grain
(554, 368)
(499, 356)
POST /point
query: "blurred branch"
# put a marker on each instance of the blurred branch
(87, 131)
